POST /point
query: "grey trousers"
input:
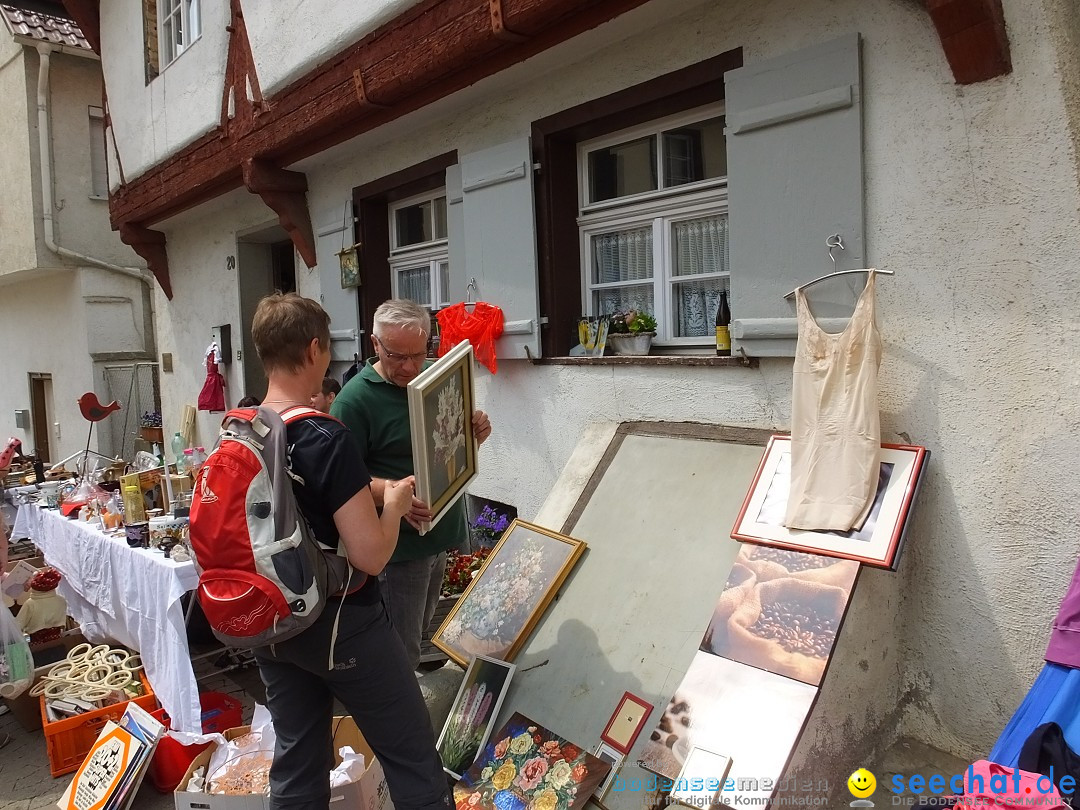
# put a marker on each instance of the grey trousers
(410, 592)
(372, 678)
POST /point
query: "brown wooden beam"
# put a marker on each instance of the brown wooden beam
(87, 14)
(286, 193)
(151, 246)
(973, 35)
(428, 52)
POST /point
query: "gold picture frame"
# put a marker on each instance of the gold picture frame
(521, 575)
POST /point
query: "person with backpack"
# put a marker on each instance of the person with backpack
(349, 651)
(375, 406)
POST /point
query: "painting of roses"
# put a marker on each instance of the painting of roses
(507, 597)
(527, 767)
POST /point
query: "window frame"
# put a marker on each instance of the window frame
(98, 146)
(661, 215)
(656, 127)
(660, 208)
(434, 251)
(554, 140)
(191, 13)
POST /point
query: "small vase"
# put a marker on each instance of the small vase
(630, 344)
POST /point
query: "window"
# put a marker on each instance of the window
(420, 250)
(99, 168)
(653, 223)
(179, 26)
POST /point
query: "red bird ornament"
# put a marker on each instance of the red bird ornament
(93, 410)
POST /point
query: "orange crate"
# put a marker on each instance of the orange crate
(69, 741)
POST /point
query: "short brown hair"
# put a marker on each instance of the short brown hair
(330, 386)
(284, 326)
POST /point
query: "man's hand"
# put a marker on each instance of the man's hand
(418, 510)
(481, 426)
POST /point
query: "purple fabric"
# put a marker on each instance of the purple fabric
(1064, 647)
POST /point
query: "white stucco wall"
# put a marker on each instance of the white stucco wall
(17, 250)
(181, 104)
(971, 198)
(151, 121)
(43, 331)
(81, 223)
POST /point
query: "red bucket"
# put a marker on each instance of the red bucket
(171, 759)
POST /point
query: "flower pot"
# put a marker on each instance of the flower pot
(631, 344)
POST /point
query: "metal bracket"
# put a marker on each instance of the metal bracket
(361, 91)
(498, 23)
(745, 359)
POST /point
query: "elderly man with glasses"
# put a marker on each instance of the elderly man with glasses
(374, 405)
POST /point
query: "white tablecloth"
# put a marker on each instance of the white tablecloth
(126, 594)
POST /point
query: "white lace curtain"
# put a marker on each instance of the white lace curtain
(701, 248)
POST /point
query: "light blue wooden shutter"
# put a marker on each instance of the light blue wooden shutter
(455, 231)
(499, 240)
(341, 305)
(795, 177)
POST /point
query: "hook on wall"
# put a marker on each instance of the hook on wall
(834, 241)
(471, 291)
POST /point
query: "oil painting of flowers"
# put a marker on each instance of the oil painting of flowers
(473, 713)
(507, 597)
(528, 767)
(441, 403)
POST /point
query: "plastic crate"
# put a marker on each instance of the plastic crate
(68, 741)
(220, 712)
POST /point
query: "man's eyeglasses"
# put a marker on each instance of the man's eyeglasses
(418, 357)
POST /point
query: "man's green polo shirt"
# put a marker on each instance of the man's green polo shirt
(377, 412)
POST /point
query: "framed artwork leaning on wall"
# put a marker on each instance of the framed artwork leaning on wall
(508, 596)
(473, 714)
(876, 543)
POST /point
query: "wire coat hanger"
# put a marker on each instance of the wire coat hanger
(471, 291)
(833, 242)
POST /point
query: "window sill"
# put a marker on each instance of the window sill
(647, 360)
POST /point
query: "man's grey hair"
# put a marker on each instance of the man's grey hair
(401, 312)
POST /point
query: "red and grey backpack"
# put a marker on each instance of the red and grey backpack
(262, 576)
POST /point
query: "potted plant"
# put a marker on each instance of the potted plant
(631, 332)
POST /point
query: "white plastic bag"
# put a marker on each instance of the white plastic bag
(16, 663)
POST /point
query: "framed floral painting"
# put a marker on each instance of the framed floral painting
(527, 767)
(507, 597)
(475, 708)
(441, 403)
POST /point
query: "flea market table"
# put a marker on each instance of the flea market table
(129, 595)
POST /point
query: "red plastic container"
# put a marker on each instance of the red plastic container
(171, 760)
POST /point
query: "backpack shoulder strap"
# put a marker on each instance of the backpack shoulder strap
(300, 412)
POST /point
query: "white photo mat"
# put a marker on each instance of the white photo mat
(875, 543)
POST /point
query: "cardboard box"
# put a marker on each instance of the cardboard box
(367, 793)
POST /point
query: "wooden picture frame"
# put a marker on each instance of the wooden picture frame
(441, 404)
(521, 576)
(626, 722)
(877, 542)
(473, 713)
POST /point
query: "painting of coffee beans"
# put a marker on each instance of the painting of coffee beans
(781, 610)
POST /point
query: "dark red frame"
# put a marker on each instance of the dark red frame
(627, 696)
(891, 560)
